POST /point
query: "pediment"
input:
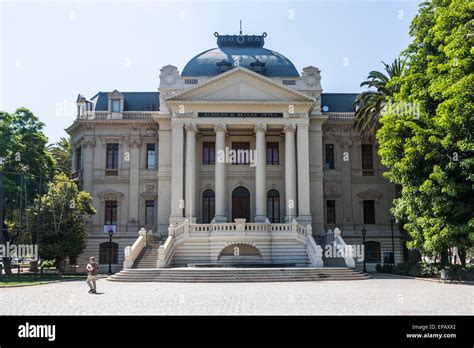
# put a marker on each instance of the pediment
(241, 84)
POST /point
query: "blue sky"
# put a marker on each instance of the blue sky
(52, 50)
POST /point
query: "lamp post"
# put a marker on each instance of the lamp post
(364, 232)
(393, 243)
(111, 233)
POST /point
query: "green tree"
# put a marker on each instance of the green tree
(23, 157)
(429, 147)
(63, 212)
(62, 154)
(370, 104)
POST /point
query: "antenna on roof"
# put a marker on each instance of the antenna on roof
(240, 27)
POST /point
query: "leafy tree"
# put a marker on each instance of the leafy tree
(62, 154)
(428, 148)
(23, 153)
(369, 104)
(63, 212)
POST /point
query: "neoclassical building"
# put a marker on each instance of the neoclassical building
(238, 150)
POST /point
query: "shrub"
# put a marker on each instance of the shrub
(460, 273)
(385, 268)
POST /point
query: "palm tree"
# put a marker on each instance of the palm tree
(62, 154)
(369, 104)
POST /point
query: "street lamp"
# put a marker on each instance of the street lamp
(393, 242)
(364, 232)
(111, 233)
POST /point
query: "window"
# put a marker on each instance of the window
(273, 206)
(149, 212)
(208, 153)
(150, 156)
(190, 81)
(208, 206)
(329, 156)
(367, 160)
(289, 82)
(273, 157)
(241, 152)
(369, 212)
(112, 156)
(110, 212)
(79, 158)
(372, 252)
(331, 212)
(115, 105)
(105, 252)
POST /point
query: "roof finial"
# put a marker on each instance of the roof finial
(240, 27)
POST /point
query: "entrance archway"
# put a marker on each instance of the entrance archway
(241, 203)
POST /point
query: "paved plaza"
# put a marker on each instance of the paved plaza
(381, 295)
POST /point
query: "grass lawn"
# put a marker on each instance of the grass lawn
(29, 279)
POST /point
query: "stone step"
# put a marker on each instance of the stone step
(216, 275)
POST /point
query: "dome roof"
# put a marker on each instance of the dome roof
(247, 49)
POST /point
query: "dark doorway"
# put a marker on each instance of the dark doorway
(241, 204)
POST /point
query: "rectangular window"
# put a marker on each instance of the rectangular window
(150, 156)
(115, 105)
(208, 153)
(110, 212)
(369, 212)
(149, 212)
(242, 152)
(367, 160)
(79, 158)
(273, 156)
(112, 156)
(329, 156)
(331, 212)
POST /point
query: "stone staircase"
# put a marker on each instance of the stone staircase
(236, 275)
(149, 256)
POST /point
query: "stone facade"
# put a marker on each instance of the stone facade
(240, 105)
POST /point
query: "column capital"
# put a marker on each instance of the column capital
(220, 127)
(134, 142)
(191, 127)
(303, 125)
(289, 127)
(260, 128)
(177, 125)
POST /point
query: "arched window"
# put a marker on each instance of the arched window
(273, 206)
(208, 206)
(372, 252)
(104, 252)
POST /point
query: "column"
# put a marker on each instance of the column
(290, 173)
(260, 175)
(221, 187)
(304, 211)
(87, 163)
(316, 175)
(190, 169)
(177, 162)
(134, 148)
(347, 184)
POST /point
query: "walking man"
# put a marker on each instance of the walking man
(93, 269)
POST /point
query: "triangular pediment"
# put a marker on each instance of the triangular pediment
(241, 84)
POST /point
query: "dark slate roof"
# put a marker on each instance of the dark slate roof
(249, 49)
(133, 101)
(338, 102)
